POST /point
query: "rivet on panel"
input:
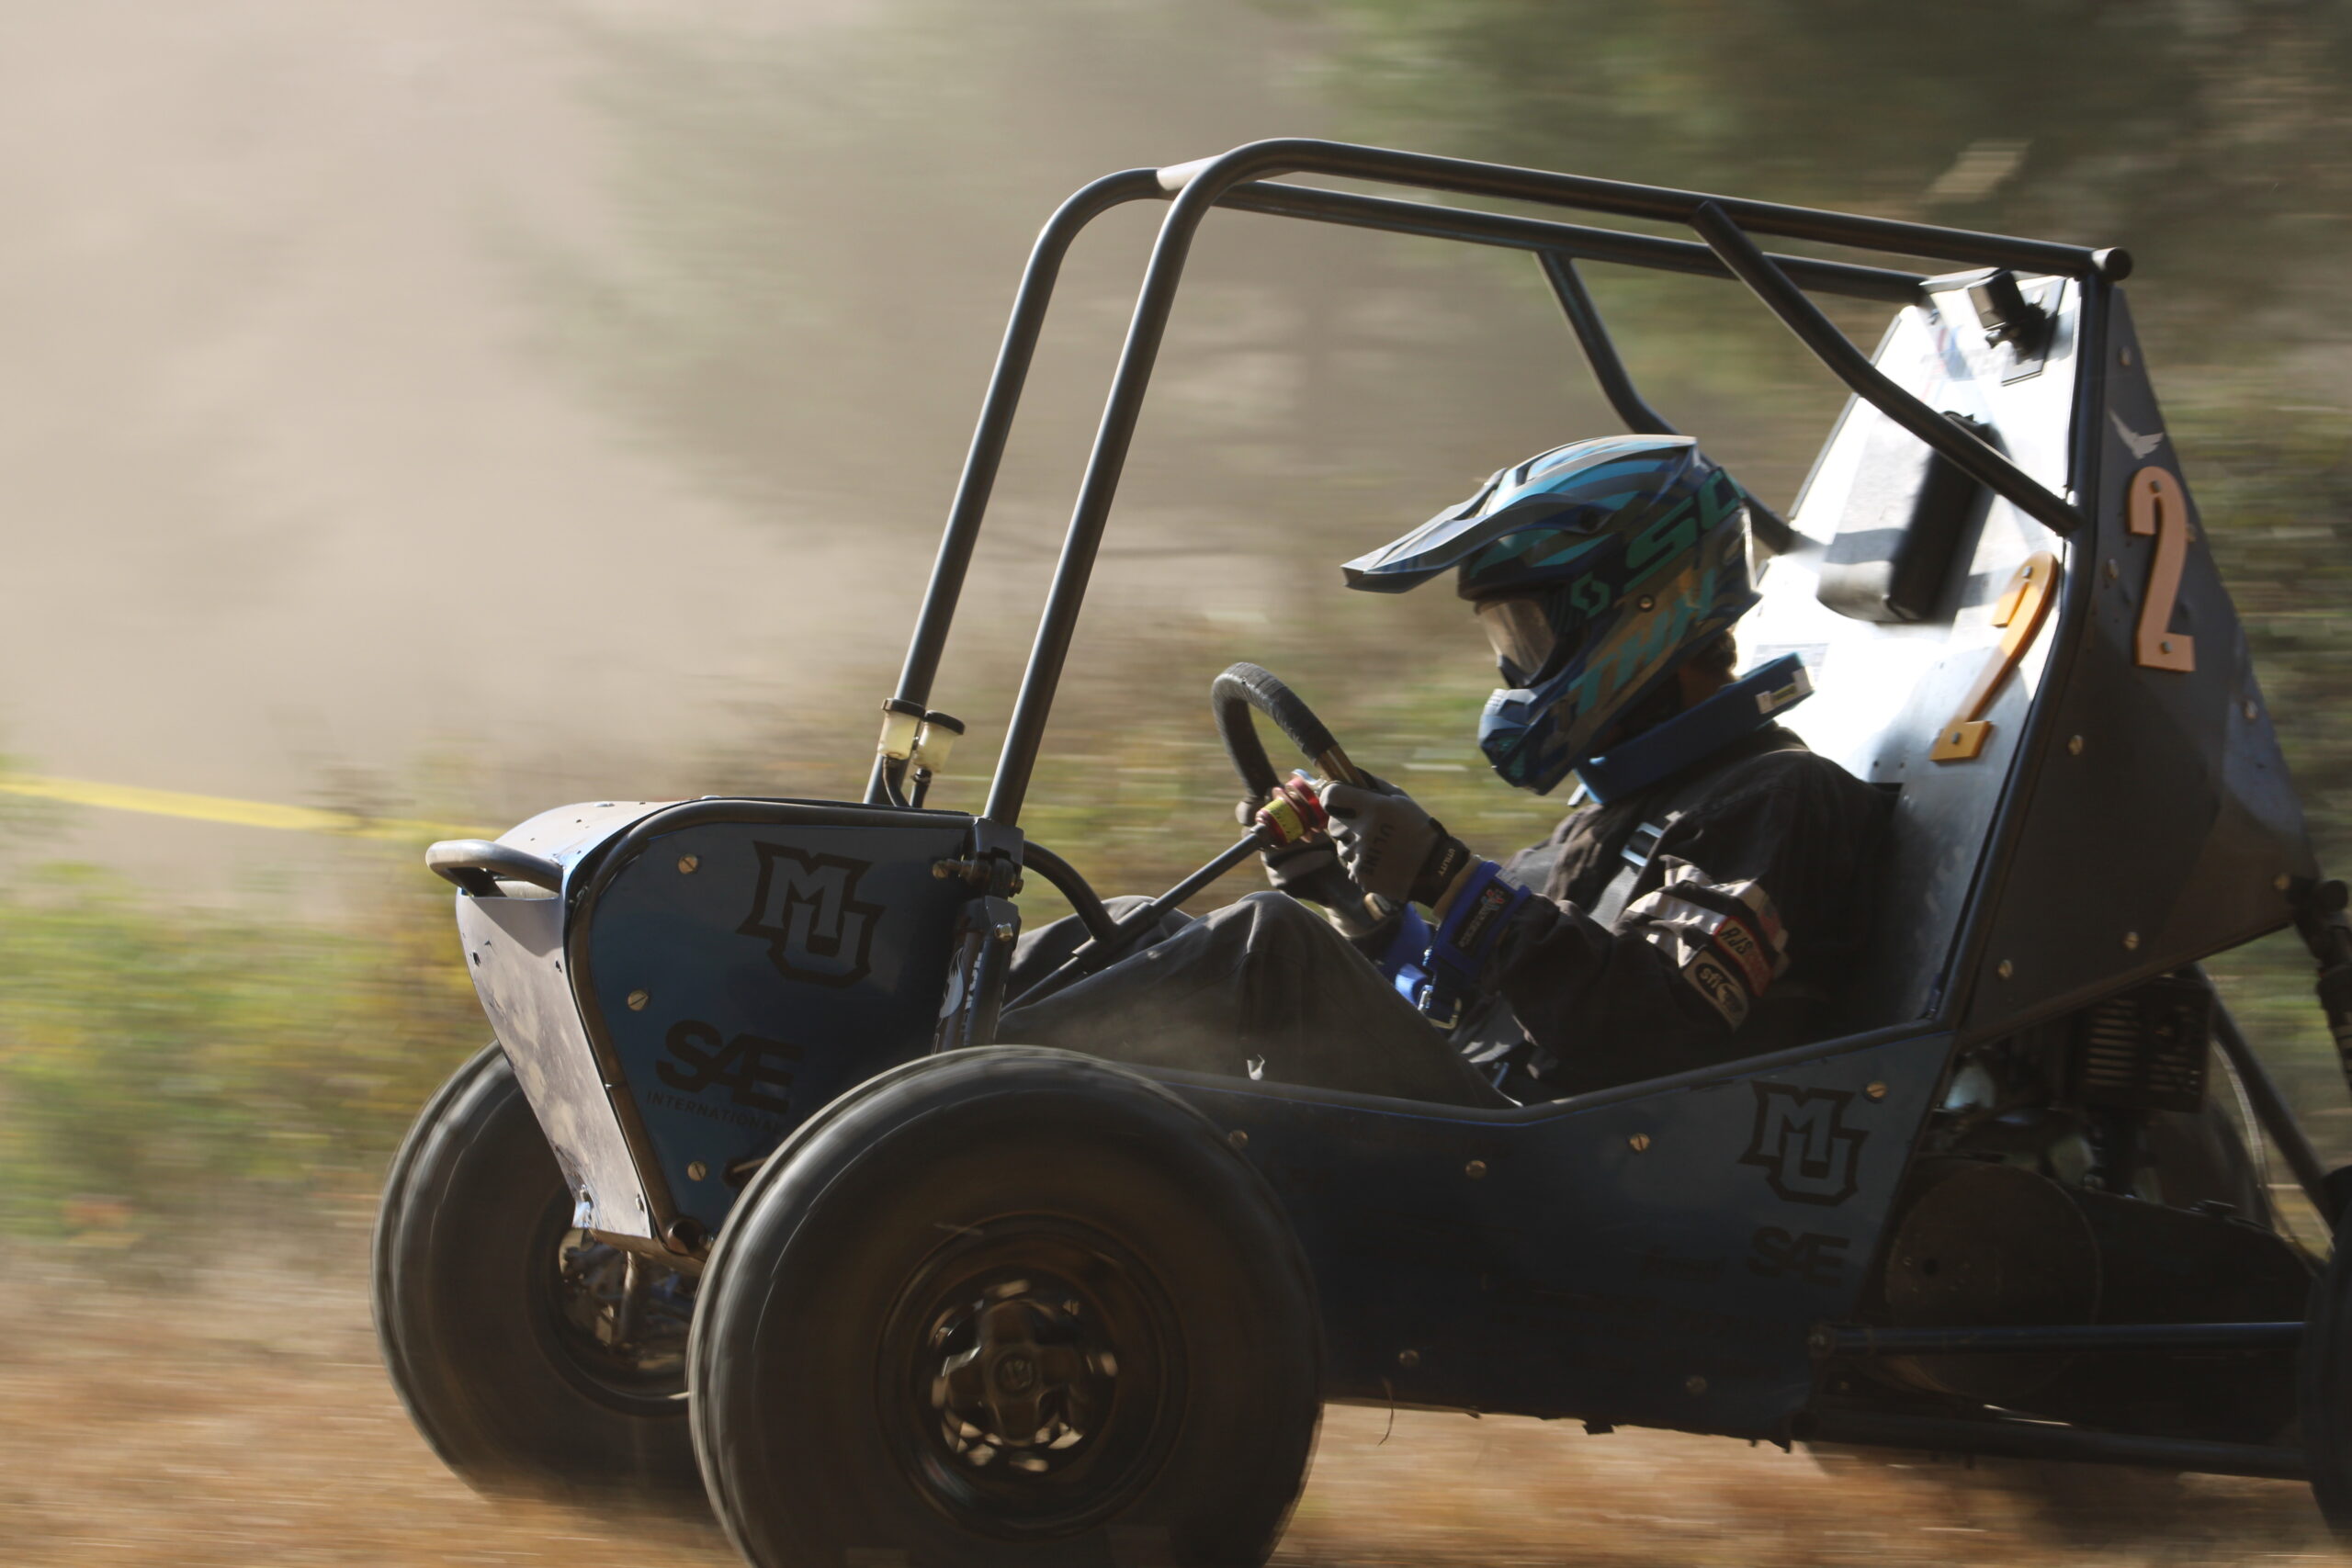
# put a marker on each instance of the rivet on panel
(2281, 882)
(1408, 1359)
(687, 864)
(2251, 710)
(1238, 1138)
(1874, 1091)
(2073, 746)
(2112, 571)
(2005, 969)
(1694, 1385)
(2130, 940)
(1639, 1143)
(697, 1170)
(2127, 357)
(637, 1000)
(1475, 1169)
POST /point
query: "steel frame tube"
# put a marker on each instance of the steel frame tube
(1592, 335)
(1851, 366)
(2026, 1440)
(1003, 402)
(1865, 1340)
(1507, 231)
(1424, 171)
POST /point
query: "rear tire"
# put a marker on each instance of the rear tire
(1006, 1306)
(496, 1319)
(2323, 1386)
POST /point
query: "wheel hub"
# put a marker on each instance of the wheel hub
(1019, 1375)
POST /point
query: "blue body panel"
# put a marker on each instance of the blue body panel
(794, 960)
(1668, 1284)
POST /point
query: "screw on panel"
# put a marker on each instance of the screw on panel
(2073, 746)
(1408, 1359)
(1474, 1169)
(1694, 1385)
(2282, 881)
(1875, 1091)
(1238, 1138)
(687, 864)
(1639, 1143)
(637, 1000)
(2005, 969)
(697, 1170)
(2130, 940)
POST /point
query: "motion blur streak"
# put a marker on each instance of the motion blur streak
(236, 813)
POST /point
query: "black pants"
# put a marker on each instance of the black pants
(1263, 987)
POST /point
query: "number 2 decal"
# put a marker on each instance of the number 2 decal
(2159, 507)
(2023, 607)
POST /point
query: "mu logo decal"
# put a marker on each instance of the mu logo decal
(805, 909)
(1808, 1154)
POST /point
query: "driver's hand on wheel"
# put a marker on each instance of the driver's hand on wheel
(1312, 871)
(1389, 845)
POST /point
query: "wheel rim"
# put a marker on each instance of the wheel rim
(614, 1322)
(1034, 1367)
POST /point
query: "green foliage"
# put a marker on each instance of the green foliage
(157, 1062)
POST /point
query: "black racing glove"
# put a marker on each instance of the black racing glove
(1389, 845)
(1312, 871)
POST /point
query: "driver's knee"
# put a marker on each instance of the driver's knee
(1274, 926)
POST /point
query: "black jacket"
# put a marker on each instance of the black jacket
(1748, 907)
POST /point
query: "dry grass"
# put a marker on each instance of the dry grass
(248, 1422)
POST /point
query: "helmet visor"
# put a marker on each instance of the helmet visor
(1520, 633)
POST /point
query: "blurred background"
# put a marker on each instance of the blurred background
(430, 411)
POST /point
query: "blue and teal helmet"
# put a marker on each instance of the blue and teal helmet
(1598, 570)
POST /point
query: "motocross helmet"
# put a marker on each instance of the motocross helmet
(1598, 570)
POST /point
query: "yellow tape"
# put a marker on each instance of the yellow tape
(221, 808)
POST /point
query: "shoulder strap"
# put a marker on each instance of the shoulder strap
(1641, 848)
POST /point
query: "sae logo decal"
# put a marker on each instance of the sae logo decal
(1808, 1154)
(806, 908)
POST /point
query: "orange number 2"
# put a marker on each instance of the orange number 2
(2023, 607)
(2159, 507)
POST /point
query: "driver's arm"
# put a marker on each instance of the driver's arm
(1766, 875)
(1761, 875)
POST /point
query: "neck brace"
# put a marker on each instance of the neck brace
(1739, 710)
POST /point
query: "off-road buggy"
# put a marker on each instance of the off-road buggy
(749, 1198)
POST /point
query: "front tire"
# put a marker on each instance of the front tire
(1006, 1306)
(531, 1357)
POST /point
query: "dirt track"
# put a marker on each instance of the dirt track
(250, 1424)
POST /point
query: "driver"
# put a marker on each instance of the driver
(1700, 905)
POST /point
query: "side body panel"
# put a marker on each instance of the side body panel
(2171, 831)
(1887, 690)
(1656, 1259)
(737, 975)
(514, 950)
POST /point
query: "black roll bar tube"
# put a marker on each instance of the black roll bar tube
(1851, 366)
(1592, 335)
(1198, 186)
(1504, 230)
(1428, 171)
(981, 463)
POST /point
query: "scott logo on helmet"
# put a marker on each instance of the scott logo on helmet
(806, 908)
(1809, 1156)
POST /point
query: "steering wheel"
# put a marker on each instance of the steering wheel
(1245, 688)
